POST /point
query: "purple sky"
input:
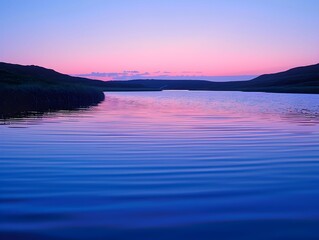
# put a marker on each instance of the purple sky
(167, 38)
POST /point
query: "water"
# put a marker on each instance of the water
(164, 165)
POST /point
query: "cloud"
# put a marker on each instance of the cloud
(131, 72)
(186, 75)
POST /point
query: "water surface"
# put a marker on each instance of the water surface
(164, 165)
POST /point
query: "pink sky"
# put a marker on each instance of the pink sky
(203, 38)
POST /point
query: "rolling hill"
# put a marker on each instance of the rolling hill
(33, 88)
(296, 80)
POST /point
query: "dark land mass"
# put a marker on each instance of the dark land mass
(33, 88)
(296, 80)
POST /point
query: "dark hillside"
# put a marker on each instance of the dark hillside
(32, 88)
(296, 80)
(301, 76)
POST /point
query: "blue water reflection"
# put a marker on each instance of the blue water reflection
(164, 165)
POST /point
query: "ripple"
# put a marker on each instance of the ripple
(146, 163)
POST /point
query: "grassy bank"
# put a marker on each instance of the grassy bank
(30, 88)
(23, 98)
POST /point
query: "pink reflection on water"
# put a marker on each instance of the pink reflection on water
(190, 109)
(184, 110)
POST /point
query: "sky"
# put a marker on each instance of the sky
(124, 39)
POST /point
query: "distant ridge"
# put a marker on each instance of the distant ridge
(307, 75)
(297, 80)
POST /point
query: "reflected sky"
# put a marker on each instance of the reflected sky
(209, 107)
(159, 165)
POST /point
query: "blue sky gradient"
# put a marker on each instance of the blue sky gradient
(231, 37)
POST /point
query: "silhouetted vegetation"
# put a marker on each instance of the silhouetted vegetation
(31, 88)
